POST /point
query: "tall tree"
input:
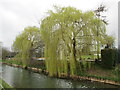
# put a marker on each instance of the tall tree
(26, 43)
(66, 32)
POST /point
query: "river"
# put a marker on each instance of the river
(21, 78)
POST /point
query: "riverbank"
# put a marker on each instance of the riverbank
(75, 77)
(3, 84)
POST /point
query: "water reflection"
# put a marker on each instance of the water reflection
(21, 78)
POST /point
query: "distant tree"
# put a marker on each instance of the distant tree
(5, 53)
(27, 43)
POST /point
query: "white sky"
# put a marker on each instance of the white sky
(15, 15)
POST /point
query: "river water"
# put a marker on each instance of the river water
(21, 78)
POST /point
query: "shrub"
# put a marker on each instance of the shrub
(108, 58)
(118, 60)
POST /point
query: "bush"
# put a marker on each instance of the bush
(109, 57)
(118, 61)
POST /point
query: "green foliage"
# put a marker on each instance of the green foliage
(118, 53)
(68, 34)
(26, 43)
(12, 61)
(108, 58)
(110, 41)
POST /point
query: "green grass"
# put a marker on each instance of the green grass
(11, 61)
(89, 56)
(34, 63)
(3, 84)
(101, 73)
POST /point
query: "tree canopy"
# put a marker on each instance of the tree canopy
(68, 34)
(26, 43)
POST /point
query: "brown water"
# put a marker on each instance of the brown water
(20, 78)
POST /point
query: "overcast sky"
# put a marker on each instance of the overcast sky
(15, 15)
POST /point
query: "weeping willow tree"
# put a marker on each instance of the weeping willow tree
(68, 34)
(26, 43)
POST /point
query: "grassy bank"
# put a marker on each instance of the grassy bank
(33, 63)
(3, 84)
(98, 72)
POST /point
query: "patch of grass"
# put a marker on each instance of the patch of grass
(12, 61)
(33, 63)
(100, 73)
(100, 77)
(4, 84)
(0, 60)
(89, 56)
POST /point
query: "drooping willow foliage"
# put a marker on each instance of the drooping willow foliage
(69, 35)
(26, 43)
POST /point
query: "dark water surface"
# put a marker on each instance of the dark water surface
(20, 78)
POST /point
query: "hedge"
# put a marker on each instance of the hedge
(109, 57)
(118, 61)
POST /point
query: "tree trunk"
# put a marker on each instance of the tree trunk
(74, 49)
